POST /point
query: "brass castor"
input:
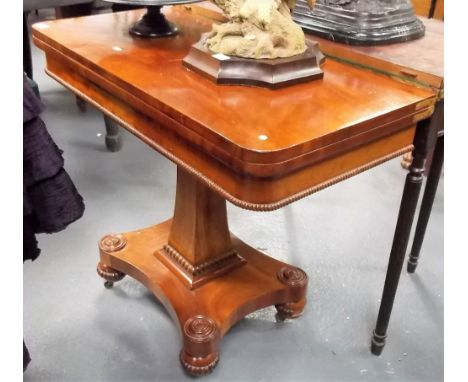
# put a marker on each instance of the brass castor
(290, 310)
(109, 274)
(108, 284)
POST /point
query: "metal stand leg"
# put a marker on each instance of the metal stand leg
(402, 232)
(113, 135)
(427, 202)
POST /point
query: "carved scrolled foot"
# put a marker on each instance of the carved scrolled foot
(291, 309)
(297, 279)
(293, 277)
(109, 274)
(199, 355)
(111, 243)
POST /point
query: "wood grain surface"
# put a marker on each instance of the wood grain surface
(258, 148)
(422, 7)
(418, 62)
(295, 121)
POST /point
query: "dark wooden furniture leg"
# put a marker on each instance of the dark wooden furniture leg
(113, 135)
(435, 169)
(27, 58)
(427, 202)
(75, 10)
(81, 103)
(402, 232)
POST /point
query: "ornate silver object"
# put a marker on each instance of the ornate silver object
(153, 23)
(360, 22)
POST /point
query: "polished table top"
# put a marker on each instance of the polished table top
(250, 132)
(419, 61)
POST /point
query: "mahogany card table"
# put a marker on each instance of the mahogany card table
(257, 148)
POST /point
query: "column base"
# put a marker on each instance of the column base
(206, 314)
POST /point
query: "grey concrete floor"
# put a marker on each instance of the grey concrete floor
(77, 330)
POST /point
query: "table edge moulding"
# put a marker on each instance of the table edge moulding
(206, 277)
(276, 177)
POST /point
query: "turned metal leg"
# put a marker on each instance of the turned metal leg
(402, 232)
(427, 202)
(113, 135)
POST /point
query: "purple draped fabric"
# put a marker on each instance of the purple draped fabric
(50, 199)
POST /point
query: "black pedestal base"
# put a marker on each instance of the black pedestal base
(154, 24)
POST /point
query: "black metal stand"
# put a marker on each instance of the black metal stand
(154, 24)
(422, 142)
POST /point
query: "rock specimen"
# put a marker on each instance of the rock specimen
(257, 29)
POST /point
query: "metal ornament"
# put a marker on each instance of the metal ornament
(153, 23)
(360, 22)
